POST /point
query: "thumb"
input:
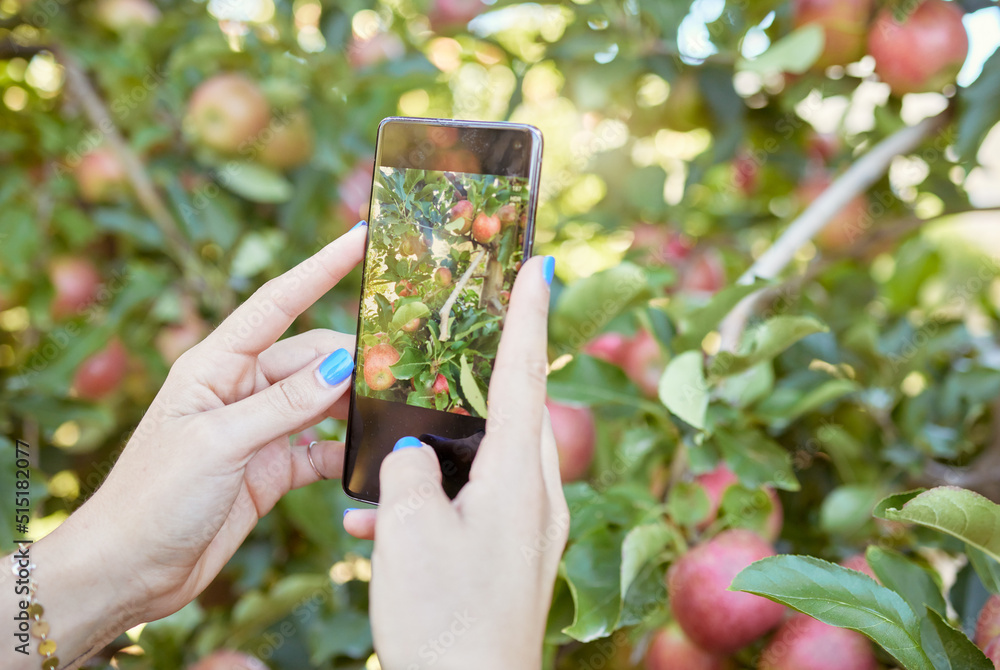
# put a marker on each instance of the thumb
(410, 484)
(286, 405)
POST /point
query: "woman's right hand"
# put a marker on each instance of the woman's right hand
(468, 583)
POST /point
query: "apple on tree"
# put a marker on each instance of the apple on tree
(378, 358)
(100, 176)
(101, 373)
(227, 112)
(485, 227)
(464, 210)
(290, 144)
(355, 191)
(440, 384)
(670, 649)
(718, 481)
(643, 362)
(924, 52)
(75, 282)
(442, 276)
(716, 619)
(845, 27)
(575, 434)
(803, 643)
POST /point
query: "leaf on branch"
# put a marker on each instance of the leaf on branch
(683, 389)
(471, 388)
(796, 52)
(766, 342)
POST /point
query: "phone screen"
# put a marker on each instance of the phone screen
(451, 222)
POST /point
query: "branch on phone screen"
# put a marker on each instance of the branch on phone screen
(450, 302)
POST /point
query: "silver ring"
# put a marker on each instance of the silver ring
(309, 455)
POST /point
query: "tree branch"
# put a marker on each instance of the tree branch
(856, 180)
(450, 302)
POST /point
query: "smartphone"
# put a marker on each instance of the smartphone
(451, 221)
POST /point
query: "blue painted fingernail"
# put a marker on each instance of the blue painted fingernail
(351, 509)
(406, 443)
(336, 367)
(359, 224)
(549, 269)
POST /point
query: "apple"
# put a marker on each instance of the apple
(448, 14)
(459, 410)
(413, 244)
(992, 651)
(504, 297)
(847, 226)
(405, 288)
(643, 362)
(226, 659)
(378, 376)
(378, 48)
(355, 191)
(440, 384)
(717, 482)
(290, 144)
(609, 347)
(703, 274)
(380, 338)
(507, 214)
(988, 623)
(412, 326)
(803, 643)
(684, 109)
(102, 373)
(576, 435)
(463, 210)
(226, 112)
(924, 52)
(844, 23)
(75, 282)
(716, 619)
(670, 649)
(100, 176)
(126, 15)
(442, 276)
(485, 227)
(859, 563)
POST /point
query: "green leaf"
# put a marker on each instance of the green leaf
(346, 633)
(767, 341)
(839, 597)
(591, 567)
(848, 508)
(255, 182)
(958, 512)
(700, 322)
(757, 460)
(409, 312)
(987, 568)
(641, 545)
(906, 578)
(589, 381)
(796, 52)
(587, 305)
(409, 364)
(979, 106)
(896, 501)
(471, 389)
(773, 411)
(747, 508)
(683, 389)
(687, 503)
(950, 649)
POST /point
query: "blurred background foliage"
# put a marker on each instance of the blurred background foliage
(161, 160)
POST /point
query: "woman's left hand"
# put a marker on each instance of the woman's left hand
(212, 454)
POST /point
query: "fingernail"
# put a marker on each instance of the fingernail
(359, 224)
(406, 443)
(351, 509)
(335, 368)
(549, 269)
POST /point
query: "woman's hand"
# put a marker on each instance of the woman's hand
(210, 457)
(468, 583)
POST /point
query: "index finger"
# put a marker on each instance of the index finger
(516, 405)
(266, 315)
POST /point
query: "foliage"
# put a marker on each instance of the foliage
(681, 144)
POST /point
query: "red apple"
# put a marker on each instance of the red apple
(643, 362)
(102, 373)
(355, 192)
(378, 48)
(127, 15)
(440, 384)
(847, 226)
(378, 376)
(404, 289)
(859, 563)
(227, 659)
(992, 651)
(988, 623)
(448, 14)
(670, 649)
(924, 52)
(100, 176)
(459, 410)
(290, 143)
(463, 210)
(227, 112)
(75, 282)
(507, 214)
(505, 297)
(803, 643)
(610, 347)
(442, 276)
(716, 619)
(717, 482)
(844, 23)
(576, 434)
(703, 273)
(380, 338)
(485, 228)
(412, 326)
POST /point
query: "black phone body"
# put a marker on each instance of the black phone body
(451, 220)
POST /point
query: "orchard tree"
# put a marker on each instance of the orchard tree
(775, 378)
